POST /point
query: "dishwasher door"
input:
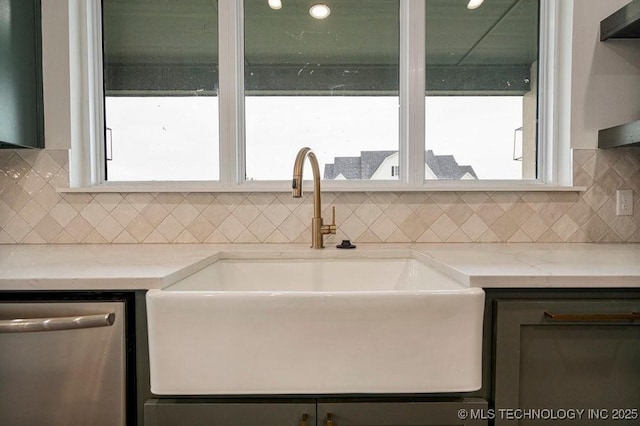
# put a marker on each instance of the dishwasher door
(62, 363)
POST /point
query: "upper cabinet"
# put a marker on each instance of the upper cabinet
(21, 108)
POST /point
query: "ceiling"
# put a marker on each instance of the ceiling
(172, 45)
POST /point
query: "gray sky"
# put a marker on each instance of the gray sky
(175, 138)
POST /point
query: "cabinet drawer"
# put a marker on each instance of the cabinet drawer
(567, 355)
(168, 412)
(458, 412)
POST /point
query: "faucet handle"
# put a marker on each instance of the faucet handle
(330, 229)
(333, 227)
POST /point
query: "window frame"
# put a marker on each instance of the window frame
(87, 165)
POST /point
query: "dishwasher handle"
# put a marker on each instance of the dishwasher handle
(28, 325)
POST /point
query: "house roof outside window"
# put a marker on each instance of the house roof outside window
(374, 165)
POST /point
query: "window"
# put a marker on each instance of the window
(390, 94)
(331, 84)
(481, 87)
(160, 90)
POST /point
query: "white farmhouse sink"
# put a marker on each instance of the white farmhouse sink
(315, 326)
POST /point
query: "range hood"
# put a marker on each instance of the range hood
(624, 23)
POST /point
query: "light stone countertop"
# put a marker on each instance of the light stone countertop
(139, 267)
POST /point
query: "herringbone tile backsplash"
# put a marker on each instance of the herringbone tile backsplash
(32, 212)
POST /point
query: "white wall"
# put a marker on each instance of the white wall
(55, 64)
(605, 75)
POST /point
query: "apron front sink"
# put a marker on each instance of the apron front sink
(315, 326)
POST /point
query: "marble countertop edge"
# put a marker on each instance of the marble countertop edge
(487, 265)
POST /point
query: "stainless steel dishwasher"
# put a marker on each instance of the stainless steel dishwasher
(62, 363)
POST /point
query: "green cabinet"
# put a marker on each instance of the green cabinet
(312, 412)
(194, 412)
(567, 362)
(21, 107)
(458, 412)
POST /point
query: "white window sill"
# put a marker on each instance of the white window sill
(285, 187)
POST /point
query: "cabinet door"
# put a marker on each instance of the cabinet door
(185, 412)
(461, 412)
(21, 113)
(556, 358)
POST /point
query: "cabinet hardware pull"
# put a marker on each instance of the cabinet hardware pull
(329, 419)
(27, 325)
(633, 316)
(303, 422)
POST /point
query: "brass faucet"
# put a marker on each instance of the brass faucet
(317, 228)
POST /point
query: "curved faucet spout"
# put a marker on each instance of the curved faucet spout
(317, 228)
(298, 169)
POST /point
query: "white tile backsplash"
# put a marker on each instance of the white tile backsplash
(31, 211)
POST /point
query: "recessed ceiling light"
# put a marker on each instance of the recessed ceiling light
(319, 11)
(275, 4)
(474, 4)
